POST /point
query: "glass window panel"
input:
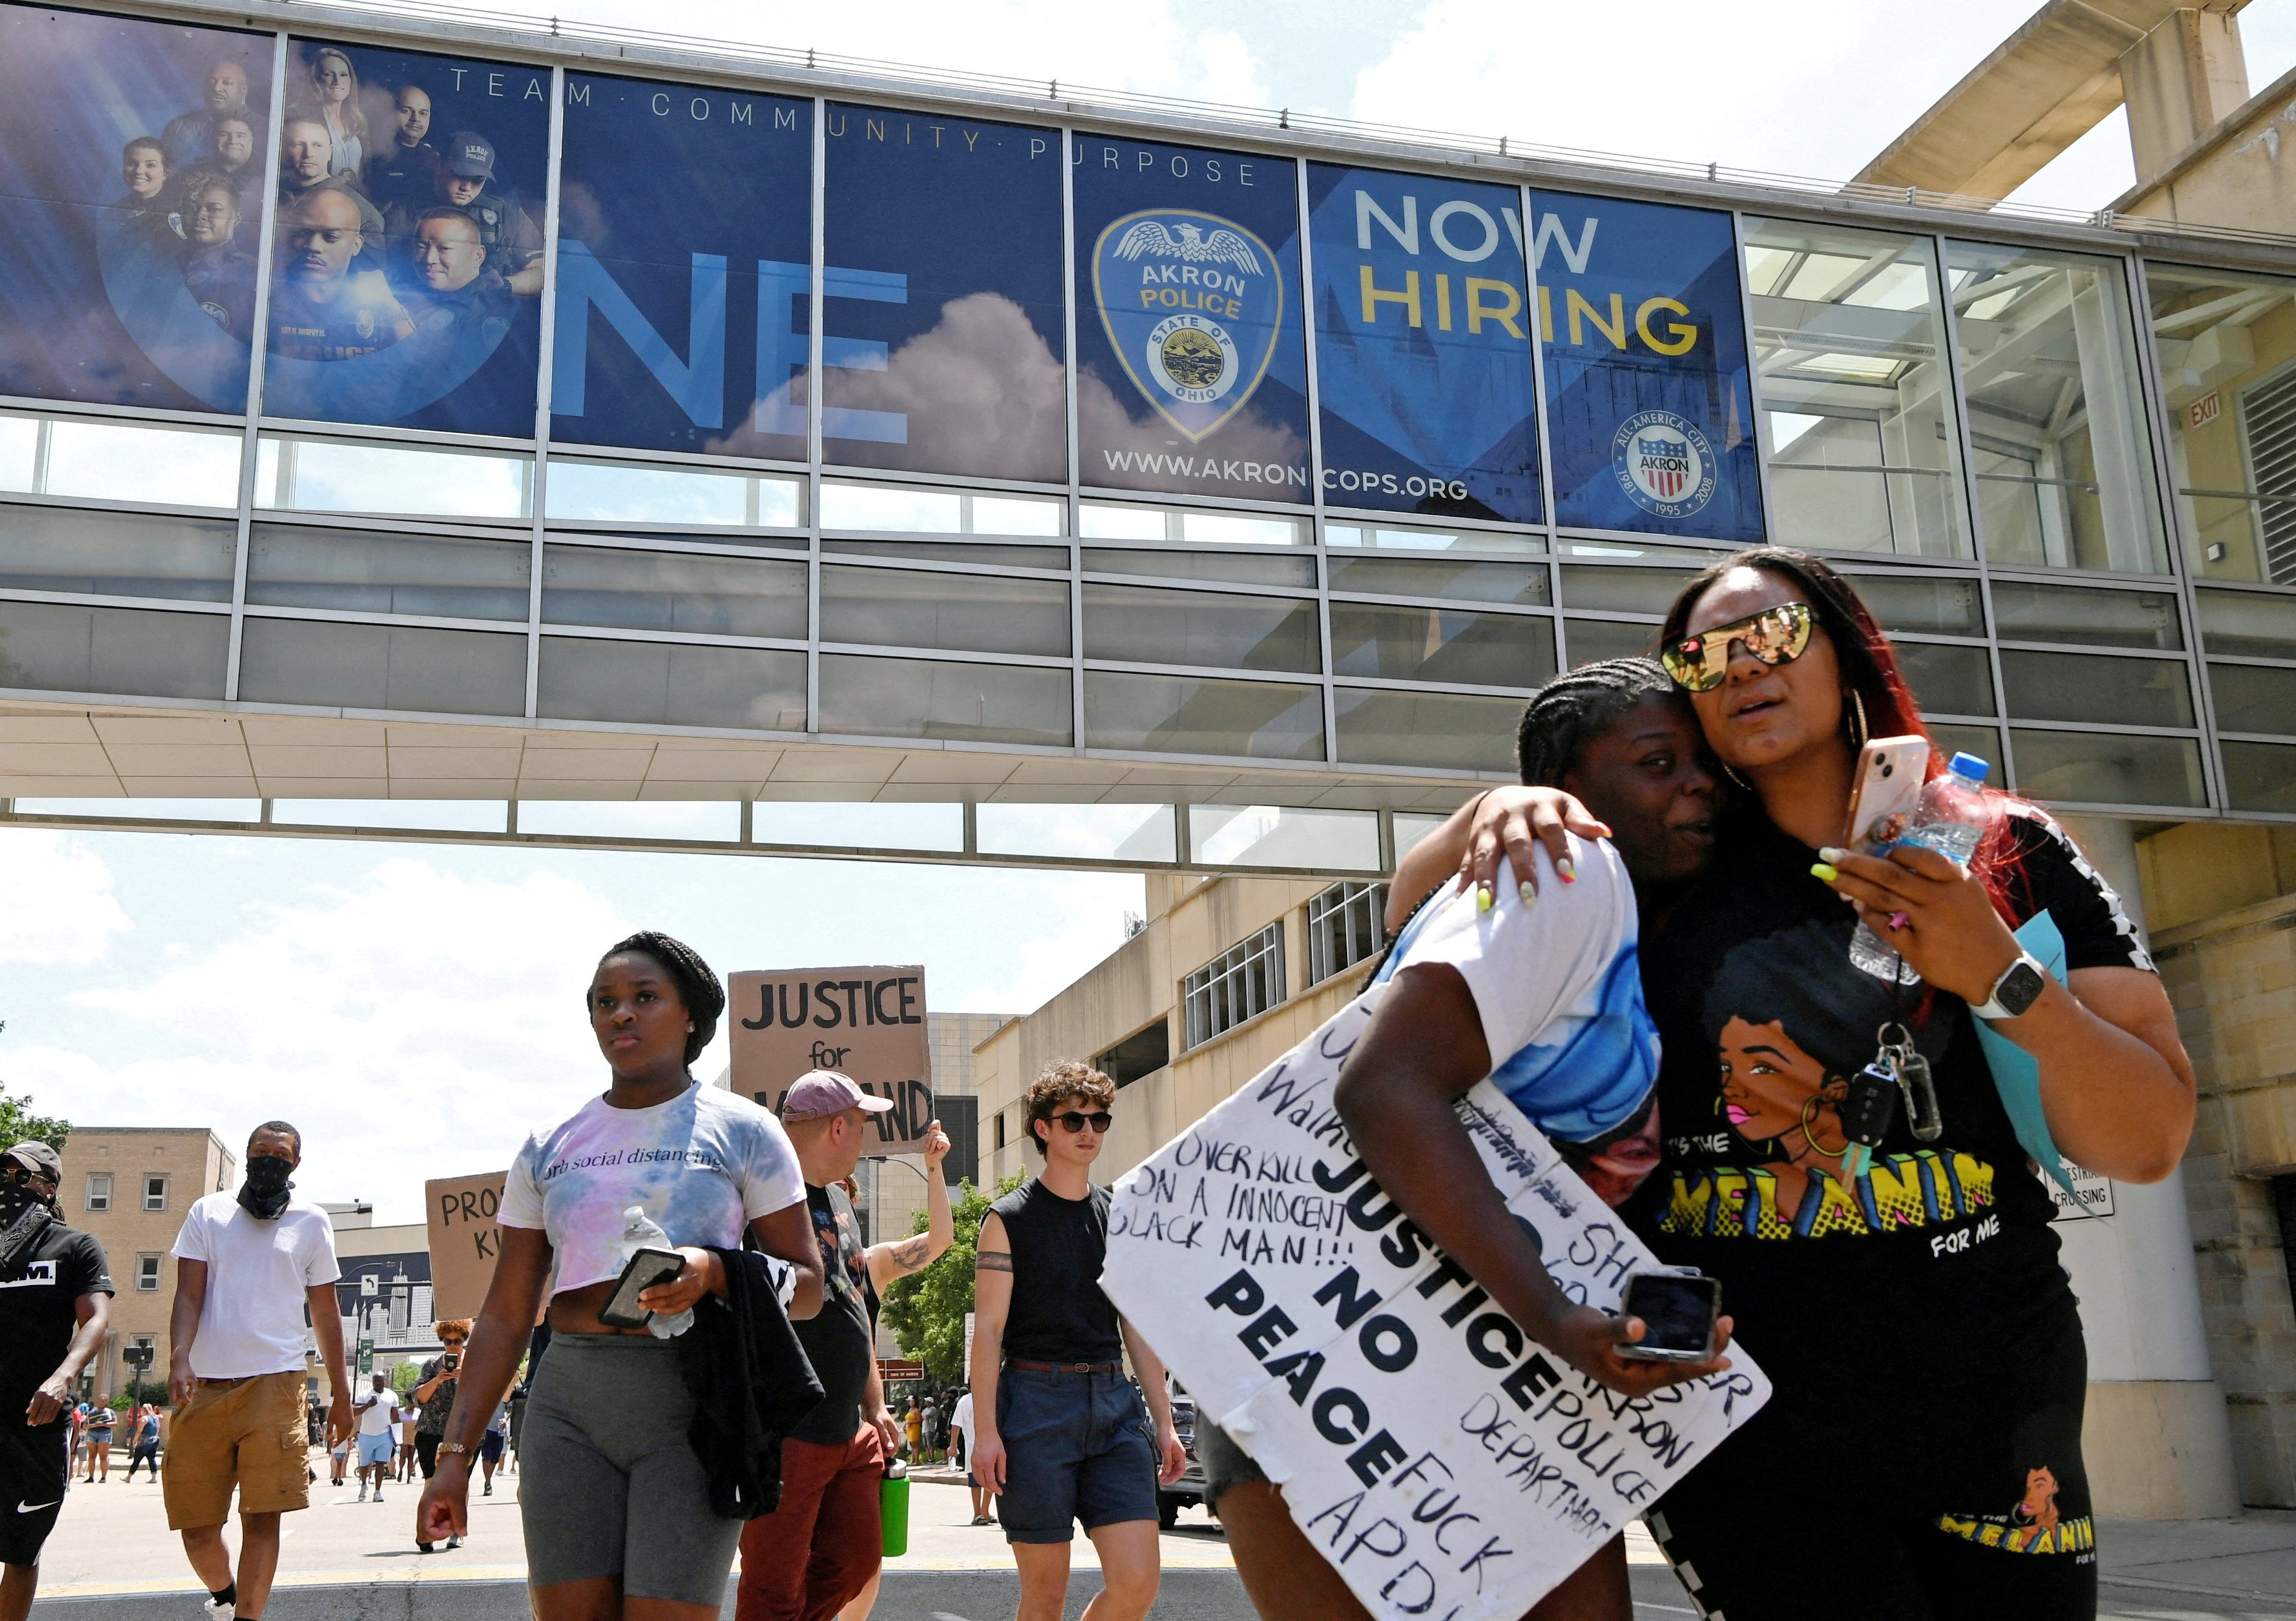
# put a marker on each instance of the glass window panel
(716, 821)
(19, 451)
(1855, 396)
(338, 665)
(142, 809)
(622, 492)
(1449, 645)
(437, 576)
(1412, 825)
(1593, 640)
(1124, 520)
(1468, 581)
(1621, 590)
(2075, 687)
(2225, 341)
(2260, 777)
(941, 698)
(2063, 453)
(53, 647)
(429, 814)
(116, 554)
(1139, 624)
(2248, 622)
(1947, 679)
(671, 684)
(120, 461)
(1054, 558)
(923, 510)
(1691, 557)
(1235, 568)
(1098, 833)
(1280, 835)
(1388, 538)
(2027, 612)
(893, 825)
(701, 595)
(965, 612)
(1202, 715)
(2106, 768)
(1437, 732)
(1981, 741)
(1942, 605)
(332, 476)
(2254, 698)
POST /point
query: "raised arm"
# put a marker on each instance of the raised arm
(898, 1258)
(1502, 822)
(992, 1297)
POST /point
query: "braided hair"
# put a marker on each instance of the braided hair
(697, 985)
(1567, 713)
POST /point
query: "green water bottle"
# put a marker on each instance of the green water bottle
(893, 1507)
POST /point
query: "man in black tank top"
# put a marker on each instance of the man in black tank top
(1063, 1436)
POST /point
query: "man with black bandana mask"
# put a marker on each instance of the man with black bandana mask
(250, 1266)
(55, 1305)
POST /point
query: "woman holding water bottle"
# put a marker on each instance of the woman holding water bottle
(1835, 1149)
(615, 1503)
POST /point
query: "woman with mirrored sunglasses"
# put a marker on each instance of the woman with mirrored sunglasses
(1903, 1296)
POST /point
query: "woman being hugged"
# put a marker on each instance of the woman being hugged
(616, 1507)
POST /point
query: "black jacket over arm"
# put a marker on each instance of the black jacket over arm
(752, 1385)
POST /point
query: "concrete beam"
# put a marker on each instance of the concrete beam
(2040, 90)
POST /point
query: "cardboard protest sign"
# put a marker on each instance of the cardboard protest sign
(865, 1023)
(1445, 1464)
(463, 1240)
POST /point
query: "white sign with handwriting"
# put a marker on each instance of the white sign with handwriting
(1447, 1466)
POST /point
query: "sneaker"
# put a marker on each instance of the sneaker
(378, 1493)
(422, 1547)
(454, 1542)
(490, 1492)
(219, 1611)
(362, 1497)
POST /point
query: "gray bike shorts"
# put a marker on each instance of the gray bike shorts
(608, 1485)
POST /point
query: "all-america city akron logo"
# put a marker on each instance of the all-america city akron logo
(1664, 464)
(1192, 304)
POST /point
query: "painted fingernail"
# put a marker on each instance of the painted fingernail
(1820, 870)
(1530, 895)
(1830, 855)
(1482, 897)
(1566, 869)
(1898, 920)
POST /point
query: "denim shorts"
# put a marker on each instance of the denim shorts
(1078, 1450)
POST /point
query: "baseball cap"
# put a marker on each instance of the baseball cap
(470, 156)
(37, 1157)
(826, 1092)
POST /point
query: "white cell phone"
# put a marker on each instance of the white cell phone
(1886, 792)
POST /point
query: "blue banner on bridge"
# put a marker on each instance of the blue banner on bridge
(1648, 400)
(685, 282)
(1423, 345)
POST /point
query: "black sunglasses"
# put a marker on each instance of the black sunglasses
(1099, 1120)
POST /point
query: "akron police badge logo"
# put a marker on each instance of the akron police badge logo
(1664, 464)
(1192, 304)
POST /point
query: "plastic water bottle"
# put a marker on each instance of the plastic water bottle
(1951, 819)
(641, 1231)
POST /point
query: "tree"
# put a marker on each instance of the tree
(17, 1123)
(406, 1377)
(926, 1309)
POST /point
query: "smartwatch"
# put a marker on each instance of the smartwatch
(2020, 986)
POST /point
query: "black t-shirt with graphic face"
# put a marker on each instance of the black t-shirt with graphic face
(39, 1310)
(1936, 1247)
(838, 1338)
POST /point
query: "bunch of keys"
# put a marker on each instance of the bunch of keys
(1870, 1106)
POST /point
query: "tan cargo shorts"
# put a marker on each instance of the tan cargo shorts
(247, 1434)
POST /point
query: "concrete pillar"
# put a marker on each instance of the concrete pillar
(2180, 81)
(2157, 1439)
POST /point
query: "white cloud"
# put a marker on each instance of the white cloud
(57, 906)
(1089, 913)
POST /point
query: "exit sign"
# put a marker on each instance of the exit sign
(2206, 409)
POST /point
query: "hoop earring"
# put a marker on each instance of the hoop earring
(1858, 732)
(1815, 1147)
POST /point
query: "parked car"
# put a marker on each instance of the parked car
(1188, 1490)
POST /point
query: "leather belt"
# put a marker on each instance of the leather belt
(244, 1379)
(1014, 1362)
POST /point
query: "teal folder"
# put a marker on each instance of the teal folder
(2017, 1074)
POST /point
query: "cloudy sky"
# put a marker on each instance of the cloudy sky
(415, 1008)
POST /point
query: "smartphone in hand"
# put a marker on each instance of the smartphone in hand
(647, 1268)
(1679, 1310)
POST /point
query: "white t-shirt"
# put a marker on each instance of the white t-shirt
(962, 1419)
(251, 1318)
(1557, 986)
(705, 1165)
(375, 1408)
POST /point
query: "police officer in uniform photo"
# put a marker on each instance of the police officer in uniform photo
(325, 306)
(190, 136)
(306, 167)
(220, 274)
(466, 182)
(55, 1305)
(405, 169)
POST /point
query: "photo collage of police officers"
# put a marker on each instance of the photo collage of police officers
(394, 211)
